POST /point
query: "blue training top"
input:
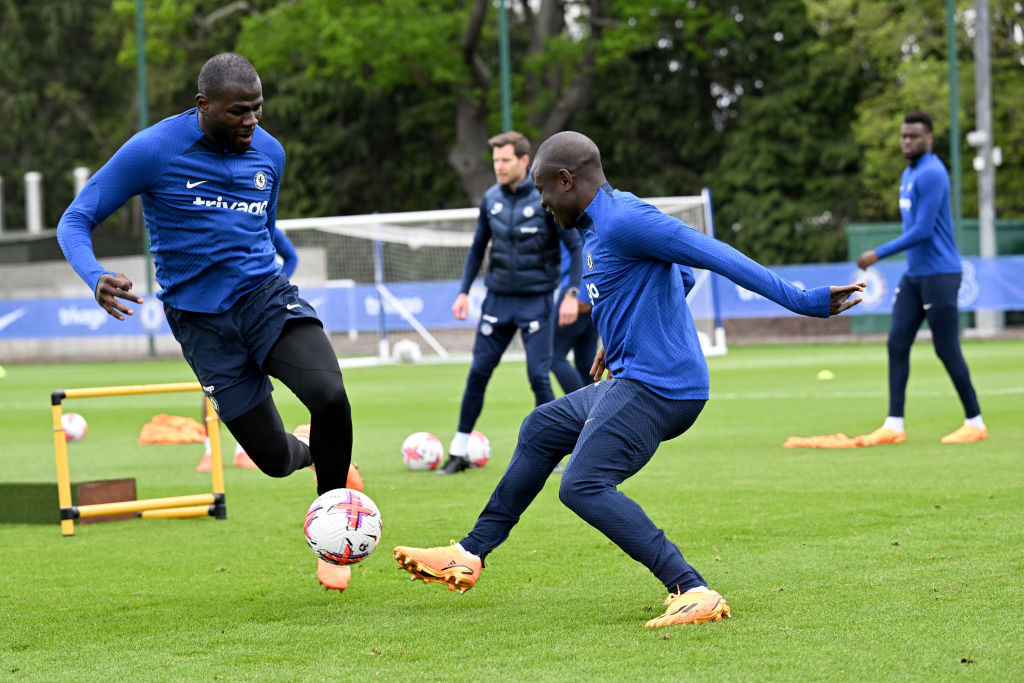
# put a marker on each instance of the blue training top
(584, 298)
(927, 220)
(630, 253)
(210, 213)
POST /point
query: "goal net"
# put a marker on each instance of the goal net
(383, 284)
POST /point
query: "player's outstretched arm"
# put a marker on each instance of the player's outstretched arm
(840, 297)
(110, 288)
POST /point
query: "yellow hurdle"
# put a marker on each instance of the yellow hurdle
(195, 505)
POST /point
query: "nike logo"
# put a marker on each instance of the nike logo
(190, 184)
(461, 568)
(588, 421)
(927, 306)
(11, 317)
(293, 306)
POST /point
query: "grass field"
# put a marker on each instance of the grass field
(901, 562)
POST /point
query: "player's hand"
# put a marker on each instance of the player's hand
(867, 259)
(840, 299)
(110, 288)
(599, 368)
(461, 306)
(568, 311)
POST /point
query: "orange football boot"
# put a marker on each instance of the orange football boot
(446, 564)
(333, 576)
(205, 463)
(694, 607)
(966, 434)
(881, 436)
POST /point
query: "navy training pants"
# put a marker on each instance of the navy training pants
(612, 429)
(931, 297)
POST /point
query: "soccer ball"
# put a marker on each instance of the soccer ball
(422, 451)
(343, 526)
(75, 426)
(478, 449)
(406, 351)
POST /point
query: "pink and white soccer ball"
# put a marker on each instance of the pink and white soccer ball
(478, 449)
(75, 426)
(343, 526)
(422, 452)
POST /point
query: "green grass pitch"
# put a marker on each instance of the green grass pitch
(901, 562)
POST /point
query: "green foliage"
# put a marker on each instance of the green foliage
(653, 117)
(788, 110)
(1007, 33)
(375, 45)
(60, 107)
(816, 551)
(353, 151)
(783, 185)
(323, 40)
(903, 48)
(635, 26)
(180, 37)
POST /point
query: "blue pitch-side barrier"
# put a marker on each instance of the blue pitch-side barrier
(993, 284)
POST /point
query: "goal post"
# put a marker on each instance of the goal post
(383, 283)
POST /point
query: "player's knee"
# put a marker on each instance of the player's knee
(330, 398)
(479, 373)
(899, 347)
(271, 455)
(568, 493)
(539, 381)
(577, 493)
(573, 496)
(529, 430)
(949, 353)
(276, 469)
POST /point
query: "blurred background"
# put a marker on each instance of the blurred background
(788, 110)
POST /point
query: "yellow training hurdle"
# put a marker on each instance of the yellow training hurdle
(196, 505)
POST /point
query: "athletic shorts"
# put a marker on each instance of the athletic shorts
(226, 350)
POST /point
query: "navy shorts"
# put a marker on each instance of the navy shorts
(226, 350)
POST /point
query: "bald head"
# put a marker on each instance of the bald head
(572, 151)
(223, 70)
(567, 172)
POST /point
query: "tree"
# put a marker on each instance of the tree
(788, 179)
(557, 47)
(654, 114)
(902, 46)
(60, 105)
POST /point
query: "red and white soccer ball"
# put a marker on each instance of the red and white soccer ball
(343, 526)
(75, 426)
(478, 449)
(422, 452)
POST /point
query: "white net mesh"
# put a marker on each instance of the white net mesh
(378, 279)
